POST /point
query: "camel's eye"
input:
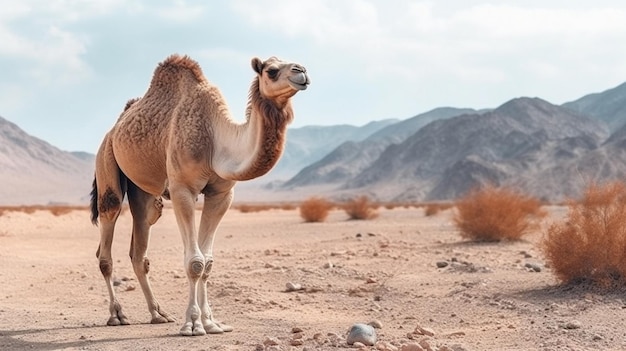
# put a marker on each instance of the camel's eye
(272, 73)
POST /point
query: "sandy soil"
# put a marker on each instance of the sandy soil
(52, 296)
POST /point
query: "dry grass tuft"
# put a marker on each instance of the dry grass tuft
(361, 208)
(590, 244)
(432, 209)
(315, 209)
(56, 210)
(494, 214)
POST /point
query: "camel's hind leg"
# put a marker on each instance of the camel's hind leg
(215, 206)
(146, 210)
(108, 194)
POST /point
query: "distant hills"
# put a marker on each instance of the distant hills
(546, 150)
(34, 172)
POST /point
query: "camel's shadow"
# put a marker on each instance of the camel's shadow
(13, 339)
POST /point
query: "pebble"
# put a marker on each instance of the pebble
(293, 287)
(423, 331)
(533, 266)
(376, 324)
(271, 341)
(442, 264)
(573, 325)
(385, 346)
(425, 345)
(411, 347)
(362, 333)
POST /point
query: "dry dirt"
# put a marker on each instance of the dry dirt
(52, 296)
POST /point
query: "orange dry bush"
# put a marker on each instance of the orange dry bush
(361, 208)
(432, 209)
(61, 210)
(494, 214)
(590, 244)
(248, 208)
(315, 209)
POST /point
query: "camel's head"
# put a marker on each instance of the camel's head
(279, 79)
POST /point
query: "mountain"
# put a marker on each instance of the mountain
(350, 158)
(511, 145)
(35, 172)
(608, 106)
(308, 144)
(447, 158)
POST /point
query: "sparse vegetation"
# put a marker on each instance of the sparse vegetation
(250, 208)
(590, 244)
(56, 210)
(361, 208)
(433, 208)
(494, 214)
(315, 209)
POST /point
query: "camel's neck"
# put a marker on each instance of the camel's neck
(250, 150)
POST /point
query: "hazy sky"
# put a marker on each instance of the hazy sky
(67, 67)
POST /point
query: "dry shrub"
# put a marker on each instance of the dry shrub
(590, 244)
(494, 214)
(288, 207)
(361, 208)
(60, 210)
(432, 209)
(248, 208)
(315, 209)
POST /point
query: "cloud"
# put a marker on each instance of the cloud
(180, 11)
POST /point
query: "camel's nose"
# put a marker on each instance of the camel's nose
(297, 68)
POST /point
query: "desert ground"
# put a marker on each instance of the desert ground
(390, 269)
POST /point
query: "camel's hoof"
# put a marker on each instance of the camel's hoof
(162, 319)
(192, 330)
(225, 327)
(212, 328)
(115, 321)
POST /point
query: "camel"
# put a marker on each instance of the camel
(176, 142)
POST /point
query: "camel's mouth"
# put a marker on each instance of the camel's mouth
(299, 81)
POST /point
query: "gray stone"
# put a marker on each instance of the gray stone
(362, 333)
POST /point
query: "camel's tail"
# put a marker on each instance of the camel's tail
(94, 203)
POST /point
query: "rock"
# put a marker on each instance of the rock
(376, 324)
(271, 341)
(293, 287)
(385, 346)
(533, 266)
(362, 333)
(423, 331)
(573, 325)
(458, 347)
(425, 345)
(296, 342)
(411, 347)
(358, 345)
(442, 264)
(296, 330)
(329, 265)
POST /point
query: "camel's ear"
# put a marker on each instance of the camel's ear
(257, 65)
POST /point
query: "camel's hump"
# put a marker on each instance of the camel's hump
(181, 61)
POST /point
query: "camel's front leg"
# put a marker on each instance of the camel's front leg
(215, 206)
(183, 201)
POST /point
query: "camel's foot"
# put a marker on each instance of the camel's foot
(212, 328)
(118, 319)
(192, 329)
(225, 327)
(160, 316)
